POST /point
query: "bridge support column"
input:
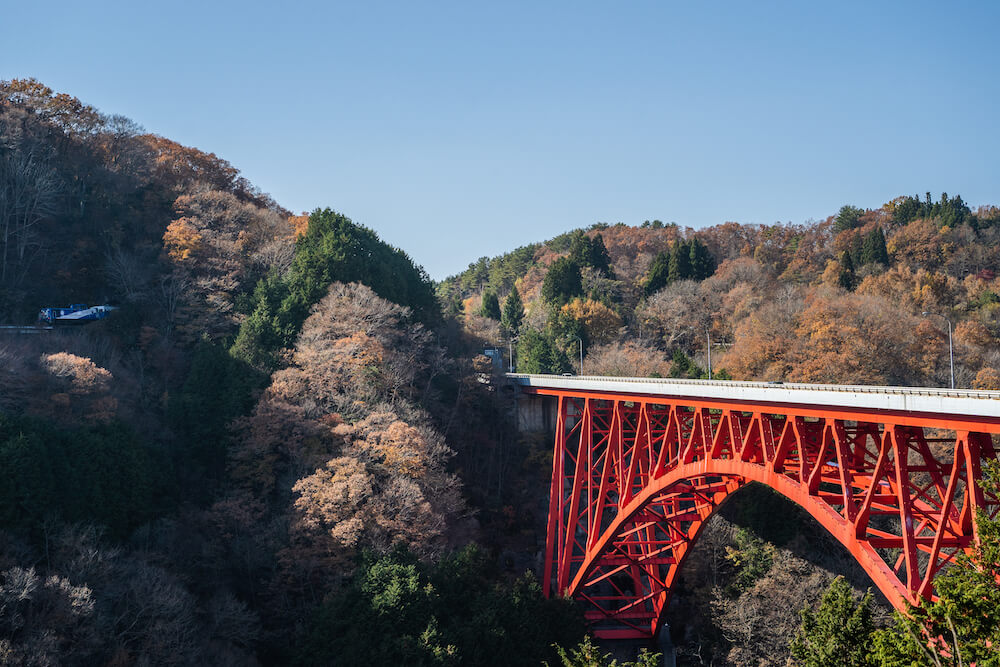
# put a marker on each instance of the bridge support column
(536, 413)
(665, 645)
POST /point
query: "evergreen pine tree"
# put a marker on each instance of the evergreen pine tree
(592, 252)
(562, 282)
(846, 277)
(965, 619)
(658, 275)
(683, 367)
(702, 262)
(873, 250)
(513, 312)
(491, 305)
(536, 353)
(848, 217)
(680, 261)
(579, 247)
(838, 633)
(599, 258)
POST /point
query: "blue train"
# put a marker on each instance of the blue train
(78, 313)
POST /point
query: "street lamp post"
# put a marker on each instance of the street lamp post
(510, 352)
(580, 340)
(708, 338)
(951, 349)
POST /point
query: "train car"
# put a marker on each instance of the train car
(78, 313)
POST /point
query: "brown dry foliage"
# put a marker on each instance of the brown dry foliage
(79, 387)
(987, 378)
(387, 487)
(216, 245)
(338, 438)
(676, 316)
(631, 359)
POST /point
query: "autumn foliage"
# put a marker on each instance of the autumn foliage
(277, 443)
(840, 300)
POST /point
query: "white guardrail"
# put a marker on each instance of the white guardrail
(965, 402)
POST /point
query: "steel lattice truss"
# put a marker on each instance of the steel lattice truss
(634, 480)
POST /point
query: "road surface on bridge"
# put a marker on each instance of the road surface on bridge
(925, 400)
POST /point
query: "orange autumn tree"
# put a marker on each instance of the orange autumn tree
(855, 339)
(181, 240)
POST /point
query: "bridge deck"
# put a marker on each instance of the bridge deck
(958, 402)
(639, 465)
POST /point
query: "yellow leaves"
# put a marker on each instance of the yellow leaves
(919, 243)
(600, 322)
(329, 498)
(831, 274)
(396, 446)
(181, 239)
(912, 290)
(399, 447)
(299, 225)
(853, 339)
(386, 486)
(987, 378)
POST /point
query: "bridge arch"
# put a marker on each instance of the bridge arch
(636, 476)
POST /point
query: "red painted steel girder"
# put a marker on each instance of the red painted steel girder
(635, 478)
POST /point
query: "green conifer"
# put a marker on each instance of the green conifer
(873, 250)
(491, 305)
(846, 276)
(680, 261)
(513, 312)
(562, 282)
(598, 256)
(702, 262)
(838, 633)
(658, 275)
(848, 217)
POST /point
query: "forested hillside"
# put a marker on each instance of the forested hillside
(862, 297)
(265, 455)
(284, 446)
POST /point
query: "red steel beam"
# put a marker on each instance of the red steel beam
(635, 477)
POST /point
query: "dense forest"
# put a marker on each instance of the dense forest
(863, 297)
(285, 445)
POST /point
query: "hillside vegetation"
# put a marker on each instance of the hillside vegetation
(275, 412)
(863, 297)
(285, 445)
(840, 301)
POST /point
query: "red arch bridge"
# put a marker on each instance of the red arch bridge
(640, 465)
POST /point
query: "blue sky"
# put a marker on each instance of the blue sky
(463, 129)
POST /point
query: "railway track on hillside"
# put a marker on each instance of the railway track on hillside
(15, 329)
